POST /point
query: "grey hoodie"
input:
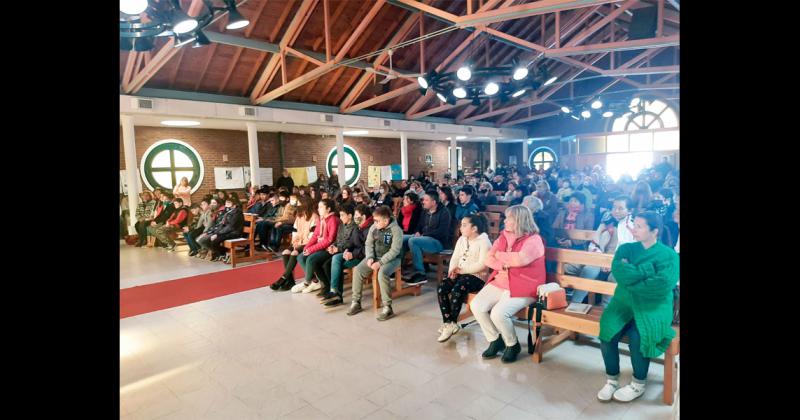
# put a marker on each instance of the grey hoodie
(384, 244)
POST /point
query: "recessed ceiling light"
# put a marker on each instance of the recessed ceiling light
(180, 123)
(355, 132)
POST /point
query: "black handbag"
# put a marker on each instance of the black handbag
(676, 305)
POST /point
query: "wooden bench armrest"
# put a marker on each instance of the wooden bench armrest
(594, 286)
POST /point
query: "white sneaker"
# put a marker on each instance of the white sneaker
(448, 331)
(297, 288)
(441, 327)
(313, 287)
(608, 390)
(629, 392)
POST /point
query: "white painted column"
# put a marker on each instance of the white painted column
(340, 157)
(404, 154)
(493, 153)
(453, 158)
(252, 147)
(131, 169)
(524, 153)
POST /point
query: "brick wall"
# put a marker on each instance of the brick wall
(307, 150)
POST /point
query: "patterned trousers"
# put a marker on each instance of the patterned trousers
(453, 294)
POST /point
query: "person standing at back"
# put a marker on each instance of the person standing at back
(285, 181)
(183, 191)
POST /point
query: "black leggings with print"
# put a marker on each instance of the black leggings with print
(453, 294)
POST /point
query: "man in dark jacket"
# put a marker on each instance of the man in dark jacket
(285, 181)
(432, 233)
(550, 202)
(230, 226)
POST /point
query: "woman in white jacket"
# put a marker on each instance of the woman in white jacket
(466, 265)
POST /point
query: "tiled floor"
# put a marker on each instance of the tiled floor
(140, 266)
(267, 355)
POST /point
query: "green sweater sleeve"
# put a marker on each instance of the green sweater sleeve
(661, 282)
(370, 246)
(627, 273)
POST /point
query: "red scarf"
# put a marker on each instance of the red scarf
(572, 215)
(365, 223)
(407, 211)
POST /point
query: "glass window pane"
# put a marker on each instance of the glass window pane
(181, 160)
(181, 174)
(669, 118)
(650, 122)
(539, 157)
(348, 160)
(641, 142)
(619, 123)
(163, 178)
(666, 140)
(161, 160)
(617, 143)
(548, 157)
(618, 164)
(546, 166)
(656, 106)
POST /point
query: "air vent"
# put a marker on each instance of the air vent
(387, 123)
(469, 129)
(247, 111)
(326, 118)
(432, 126)
(139, 103)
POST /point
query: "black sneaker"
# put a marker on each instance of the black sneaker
(494, 347)
(265, 248)
(192, 253)
(322, 292)
(510, 353)
(336, 301)
(287, 285)
(416, 279)
(328, 295)
(277, 284)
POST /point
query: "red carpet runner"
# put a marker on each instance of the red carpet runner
(157, 296)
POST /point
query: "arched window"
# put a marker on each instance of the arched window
(352, 164)
(646, 114)
(167, 161)
(543, 156)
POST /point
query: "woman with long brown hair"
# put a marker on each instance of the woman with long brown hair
(305, 221)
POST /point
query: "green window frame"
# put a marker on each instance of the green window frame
(332, 164)
(172, 146)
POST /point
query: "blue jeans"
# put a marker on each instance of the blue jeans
(419, 244)
(336, 265)
(610, 351)
(277, 233)
(193, 245)
(583, 271)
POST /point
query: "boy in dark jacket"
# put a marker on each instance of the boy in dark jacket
(230, 226)
(349, 254)
(433, 232)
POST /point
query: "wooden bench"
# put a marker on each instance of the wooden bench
(493, 229)
(568, 324)
(247, 242)
(398, 291)
(496, 208)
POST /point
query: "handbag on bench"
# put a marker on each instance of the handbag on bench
(550, 296)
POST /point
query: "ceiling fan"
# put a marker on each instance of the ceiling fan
(391, 74)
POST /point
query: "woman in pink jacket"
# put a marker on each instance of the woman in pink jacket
(517, 258)
(323, 236)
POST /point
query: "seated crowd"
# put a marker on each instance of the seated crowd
(329, 229)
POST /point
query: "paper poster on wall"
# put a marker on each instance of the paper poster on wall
(386, 173)
(265, 176)
(512, 160)
(229, 178)
(397, 172)
(311, 174)
(246, 172)
(374, 176)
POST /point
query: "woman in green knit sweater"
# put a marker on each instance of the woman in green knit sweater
(646, 272)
